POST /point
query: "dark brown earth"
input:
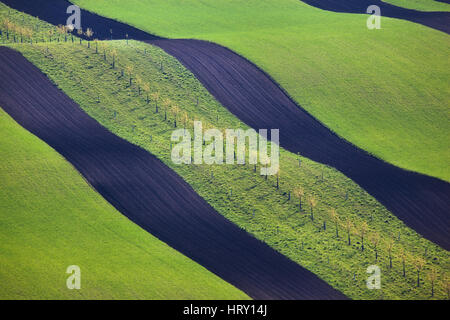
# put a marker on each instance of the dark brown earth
(149, 193)
(422, 202)
(436, 20)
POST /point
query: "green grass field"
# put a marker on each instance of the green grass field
(421, 5)
(384, 90)
(106, 96)
(50, 218)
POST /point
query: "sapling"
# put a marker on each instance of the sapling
(114, 55)
(146, 88)
(375, 240)
(362, 232)
(432, 276)
(155, 97)
(299, 193)
(390, 245)
(80, 33)
(312, 203)
(335, 219)
(348, 227)
(419, 263)
(129, 69)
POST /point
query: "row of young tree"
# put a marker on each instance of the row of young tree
(15, 32)
(67, 33)
(361, 231)
(171, 111)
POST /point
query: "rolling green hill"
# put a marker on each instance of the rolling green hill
(384, 90)
(50, 218)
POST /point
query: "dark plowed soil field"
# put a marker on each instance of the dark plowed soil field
(422, 202)
(436, 20)
(148, 192)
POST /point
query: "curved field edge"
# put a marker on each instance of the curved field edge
(50, 218)
(384, 91)
(421, 5)
(255, 204)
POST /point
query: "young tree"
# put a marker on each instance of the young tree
(362, 232)
(29, 34)
(60, 29)
(89, 33)
(80, 33)
(19, 30)
(254, 155)
(390, 245)
(375, 240)
(104, 47)
(299, 193)
(114, 56)
(10, 28)
(265, 161)
(403, 258)
(129, 69)
(419, 263)
(348, 227)
(432, 276)
(155, 97)
(69, 29)
(25, 34)
(21, 33)
(166, 104)
(175, 110)
(6, 25)
(50, 34)
(65, 32)
(96, 45)
(139, 84)
(335, 219)
(313, 204)
(146, 88)
(185, 120)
